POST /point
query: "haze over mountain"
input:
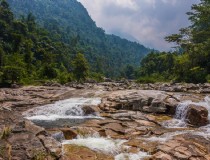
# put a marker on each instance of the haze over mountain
(70, 23)
(148, 21)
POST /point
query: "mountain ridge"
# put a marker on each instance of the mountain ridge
(69, 22)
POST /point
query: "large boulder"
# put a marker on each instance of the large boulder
(197, 115)
(90, 110)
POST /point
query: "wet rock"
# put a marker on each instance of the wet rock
(90, 110)
(171, 104)
(85, 131)
(197, 115)
(74, 152)
(59, 136)
(69, 133)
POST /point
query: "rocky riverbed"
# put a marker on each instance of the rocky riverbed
(106, 121)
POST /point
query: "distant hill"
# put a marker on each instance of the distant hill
(68, 21)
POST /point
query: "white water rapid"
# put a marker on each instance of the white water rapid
(180, 116)
(65, 109)
(107, 145)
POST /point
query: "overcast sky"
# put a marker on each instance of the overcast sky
(147, 21)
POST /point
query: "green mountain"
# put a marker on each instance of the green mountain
(69, 22)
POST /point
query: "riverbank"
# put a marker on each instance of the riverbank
(134, 121)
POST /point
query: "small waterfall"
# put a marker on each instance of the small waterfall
(207, 102)
(109, 146)
(181, 111)
(65, 109)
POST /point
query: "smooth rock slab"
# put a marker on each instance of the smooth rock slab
(74, 152)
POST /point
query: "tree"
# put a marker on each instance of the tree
(129, 72)
(5, 13)
(28, 56)
(195, 41)
(1, 57)
(12, 74)
(80, 67)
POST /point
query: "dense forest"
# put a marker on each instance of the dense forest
(69, 22)
(57, 40)
(191, 60)
(28, 53)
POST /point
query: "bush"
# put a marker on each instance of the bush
(208, 78)
(153, 78)
(96, 76)
(146, 79)
(196, 75)
(63, 78)
(12, 74)
(49, 71)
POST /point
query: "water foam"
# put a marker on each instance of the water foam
(179, 120)
(130, 156)
(65, 109)
(166, 136)
(99, 144)
(106, 145)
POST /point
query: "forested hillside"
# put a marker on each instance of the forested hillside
(68, 21)
(28, 53)
(191, 61)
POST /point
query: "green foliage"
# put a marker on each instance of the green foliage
(208, 78)
(27, 52)
(68, 22)
(146, 79)
(49, 72)
(155, 77)
(129, 72)
(5, 132)
(96, 76)
(193, 64)
(157, 67)
(80, 67)
(12, 74)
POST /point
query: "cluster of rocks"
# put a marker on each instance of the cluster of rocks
(155, 102)
(141, 100)
(131, 85)
(132, 115)
(20, 138)
(26, 97)
(138, 130)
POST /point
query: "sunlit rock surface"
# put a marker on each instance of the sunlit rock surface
(105, 121)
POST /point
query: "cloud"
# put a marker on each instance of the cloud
(147, 21)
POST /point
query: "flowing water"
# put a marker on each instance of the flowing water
(69, 113)
(62, 113)
(108, 146)
(179, 120)
(97, 143)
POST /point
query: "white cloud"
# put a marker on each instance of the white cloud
(131, 4)
(147, 21)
